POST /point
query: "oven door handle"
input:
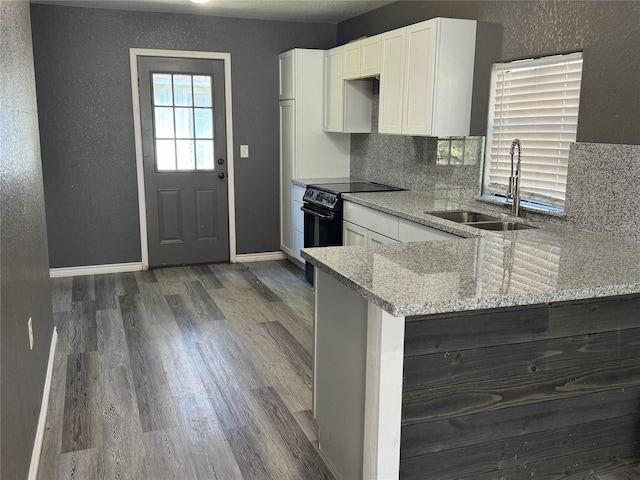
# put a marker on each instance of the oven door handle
(316, 213)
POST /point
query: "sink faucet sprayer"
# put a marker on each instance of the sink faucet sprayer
(514, 180)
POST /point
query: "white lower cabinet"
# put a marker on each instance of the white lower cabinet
(353, 234)
(366, 226)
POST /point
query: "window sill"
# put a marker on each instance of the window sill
(534, 208)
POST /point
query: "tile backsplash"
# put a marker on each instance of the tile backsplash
(603, 182)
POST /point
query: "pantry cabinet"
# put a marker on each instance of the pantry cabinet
(306, 151)
(426, 78)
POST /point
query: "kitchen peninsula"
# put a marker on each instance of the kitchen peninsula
(497, 355)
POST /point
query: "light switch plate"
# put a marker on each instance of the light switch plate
(244, 151)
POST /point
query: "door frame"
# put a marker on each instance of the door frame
(134, 53)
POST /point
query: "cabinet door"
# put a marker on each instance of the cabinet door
(333, 90)
(370, 56)
(287, 159)
(391, 81)
(351, 60)
(377, 239)
(419, 79)
(353, 234)
(287, 77)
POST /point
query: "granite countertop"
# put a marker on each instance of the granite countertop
(552, 263)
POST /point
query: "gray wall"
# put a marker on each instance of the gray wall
(86, 123)
(607, 32)
(24, 286)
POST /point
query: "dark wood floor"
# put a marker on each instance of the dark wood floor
(185, 373)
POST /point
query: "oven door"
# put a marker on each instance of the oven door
(322, 228)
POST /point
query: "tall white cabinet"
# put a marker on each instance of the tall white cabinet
(306, 150)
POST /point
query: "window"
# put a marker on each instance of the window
(183, 122)
(537, 102)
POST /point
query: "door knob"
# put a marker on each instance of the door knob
(221, 175)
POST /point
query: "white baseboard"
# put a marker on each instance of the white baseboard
(260, 257)
(44, 408)
(95, 269)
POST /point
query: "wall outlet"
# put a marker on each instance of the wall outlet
(30, 327)
(244, 151)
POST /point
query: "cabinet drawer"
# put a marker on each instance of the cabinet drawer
(379, 222)
(415, 232)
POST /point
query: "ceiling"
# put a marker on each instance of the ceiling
(331, 11)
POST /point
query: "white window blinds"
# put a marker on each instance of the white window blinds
(536, 101)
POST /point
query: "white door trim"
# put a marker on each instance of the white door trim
(134, 53)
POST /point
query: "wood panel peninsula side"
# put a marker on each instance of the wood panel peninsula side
(499, 356)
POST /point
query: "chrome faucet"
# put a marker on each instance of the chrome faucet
(514, 180)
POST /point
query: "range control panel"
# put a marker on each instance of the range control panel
(321, 198)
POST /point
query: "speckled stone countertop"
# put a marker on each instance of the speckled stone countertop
(485, 269)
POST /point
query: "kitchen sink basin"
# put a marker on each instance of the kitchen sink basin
(480, 220)
(464, 217)
(501, 226)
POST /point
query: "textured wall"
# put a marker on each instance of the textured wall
(24, 265)
(608, 33)
(86, 122)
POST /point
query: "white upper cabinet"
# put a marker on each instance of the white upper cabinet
(392, 73)
(287, 76)
(347, 103)
(370, 56)
(426, 78)
(352, 54)
(333, 90)
(361, 58)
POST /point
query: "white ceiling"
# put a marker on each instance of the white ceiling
(332, 11)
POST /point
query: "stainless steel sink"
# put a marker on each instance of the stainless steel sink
(464, 216)
(480, 220)
(501, 226)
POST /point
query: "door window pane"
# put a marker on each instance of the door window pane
(182, 90)
(204, 123)
(202, 91)
(185, 151)
(166, 155)
(178, 124)
(184, 123)
(204, 155)
(162, 93)
(164, 122)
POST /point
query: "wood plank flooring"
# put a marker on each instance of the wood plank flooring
(187, 373)
(197, 372)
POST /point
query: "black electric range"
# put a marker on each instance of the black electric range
(322, 207)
